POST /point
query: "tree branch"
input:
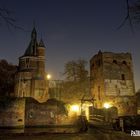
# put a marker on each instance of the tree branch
(127, 18)
(5, 16)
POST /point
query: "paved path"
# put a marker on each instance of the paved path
(94, 133)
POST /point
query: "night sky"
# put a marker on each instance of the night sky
(70, 29)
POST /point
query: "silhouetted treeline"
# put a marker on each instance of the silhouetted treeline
(7, 75)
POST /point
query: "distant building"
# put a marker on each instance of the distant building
(30, 78)
(112, 81)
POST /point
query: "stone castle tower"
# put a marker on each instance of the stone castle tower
(30, 78)
(112, 81)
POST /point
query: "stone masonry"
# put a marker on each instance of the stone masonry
(30, 78)
(112, 81)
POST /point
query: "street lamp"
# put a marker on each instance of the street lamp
(107, 105)
(75, 108)
(48, 76)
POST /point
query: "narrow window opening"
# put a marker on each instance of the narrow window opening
(115, 61)
(124, 62)
(27, 62)
(99, 63)
(123, 77)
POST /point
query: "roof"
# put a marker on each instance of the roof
(32, 48)
(41, 44)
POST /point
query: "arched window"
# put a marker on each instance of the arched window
(115, 61)
(92, 65)
(124, 62)
(123, 77)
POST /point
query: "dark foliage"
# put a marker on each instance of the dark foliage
(7, 75)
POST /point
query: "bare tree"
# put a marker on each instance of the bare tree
(132, 15)
(6, 17)
(76, 84)
(128, 17)
(135, 10)
(75, 70)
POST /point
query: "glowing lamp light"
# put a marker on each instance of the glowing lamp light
(75, 108)
(48, 76)
(107, 105)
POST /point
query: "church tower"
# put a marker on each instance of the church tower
(30, 78)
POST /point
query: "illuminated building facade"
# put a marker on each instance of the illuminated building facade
(30, 78)
(112, 81)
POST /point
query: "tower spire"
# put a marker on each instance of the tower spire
(41, 43)
(34, 24)
(32, 48)
(34, 34)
